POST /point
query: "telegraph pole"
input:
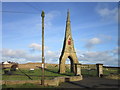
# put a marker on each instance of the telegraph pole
(43, 64)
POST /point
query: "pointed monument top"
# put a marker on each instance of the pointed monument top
(68, 15)
(68, 10)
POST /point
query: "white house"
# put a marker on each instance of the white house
(6, 62)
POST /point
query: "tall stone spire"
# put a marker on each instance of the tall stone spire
(68, 50)
(68, 26)
(68, 16)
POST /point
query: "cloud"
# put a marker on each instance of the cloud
(109, 57)
(52, 57)
(13, 53)
(115, 51)
(17, 60)
(35, 46)
(19, 56)
(106, 13)
(92, 42)
(22, 56)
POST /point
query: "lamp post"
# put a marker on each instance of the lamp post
(43, 65)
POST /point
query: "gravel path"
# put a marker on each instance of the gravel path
(92, 82)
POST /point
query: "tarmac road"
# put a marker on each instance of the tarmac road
(91, 82)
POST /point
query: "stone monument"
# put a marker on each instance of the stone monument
(68, 50)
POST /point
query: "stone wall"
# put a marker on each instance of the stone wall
(54, 82)
(13, 82)
(7, 65)
(36, 65)
(32, 65)
(87, 66)
(29, 65)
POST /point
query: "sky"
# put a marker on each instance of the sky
(94, 27)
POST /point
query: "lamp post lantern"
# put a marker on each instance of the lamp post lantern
(43, 64)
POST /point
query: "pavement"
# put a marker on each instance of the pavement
(92, 82)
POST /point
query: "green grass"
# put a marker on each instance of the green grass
(110, 71)
(52, 72)
(18, 77)
(36, 74)
(86, 72)
(26, 85)
(0, 71)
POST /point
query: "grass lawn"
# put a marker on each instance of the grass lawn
(19, 77)
(50, 73)
(26, 85)
(86, 72)
(109, 71)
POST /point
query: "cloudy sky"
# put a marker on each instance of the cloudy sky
(94, 28)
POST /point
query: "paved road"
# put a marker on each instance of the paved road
(92, 82)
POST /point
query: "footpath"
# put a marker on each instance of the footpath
(92, 82)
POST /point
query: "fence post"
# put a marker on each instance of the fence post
(99, 69)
